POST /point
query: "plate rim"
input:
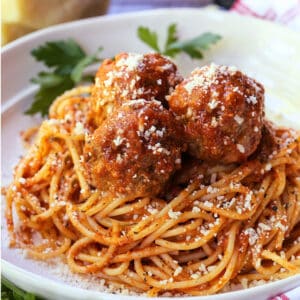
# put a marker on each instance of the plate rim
(65, 289)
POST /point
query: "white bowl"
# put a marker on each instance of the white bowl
(263, 50)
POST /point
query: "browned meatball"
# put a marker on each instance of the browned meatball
(269, 142)
(134, 151)
(222, 110)
(133, 76)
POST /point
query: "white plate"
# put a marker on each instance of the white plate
(263, 50)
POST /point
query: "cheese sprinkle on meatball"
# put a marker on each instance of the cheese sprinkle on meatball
(133, 76)
(222, 111)
(135, 151)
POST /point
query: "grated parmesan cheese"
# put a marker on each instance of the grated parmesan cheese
(131, 62)
(174, 214)
(238, 119)
(196, 209)
(213, 104)
(79, 128)
(177, 271)
(251, 100)
(22, 180)
(241, 148)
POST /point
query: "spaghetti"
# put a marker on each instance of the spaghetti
(230, 224)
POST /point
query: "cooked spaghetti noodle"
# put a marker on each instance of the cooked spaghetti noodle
(229, 224)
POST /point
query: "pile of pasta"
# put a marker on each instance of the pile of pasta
(231, 224)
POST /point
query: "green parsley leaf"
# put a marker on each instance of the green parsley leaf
(192, 52)
(171, 38)
(76, 73)
(66, 61)
(192, 47)
(172, 35)
(10, 292)
(148, 37)
(47, 94)
(173, 46)
(60, 54)
(46, 79)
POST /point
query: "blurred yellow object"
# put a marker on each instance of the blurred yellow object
(12, 31)
(23, 16)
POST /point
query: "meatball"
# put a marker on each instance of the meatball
(269, 142)
(133, 76)
(135, 151)
(222, 111)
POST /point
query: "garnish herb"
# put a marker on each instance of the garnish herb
(66, 61)
(10, 292)
(173, 46)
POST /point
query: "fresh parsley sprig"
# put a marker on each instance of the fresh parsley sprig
(66, 61)
(10, 292)
(173, 46)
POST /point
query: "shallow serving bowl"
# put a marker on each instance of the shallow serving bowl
(268, 52)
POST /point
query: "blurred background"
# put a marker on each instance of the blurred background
(20, 17)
